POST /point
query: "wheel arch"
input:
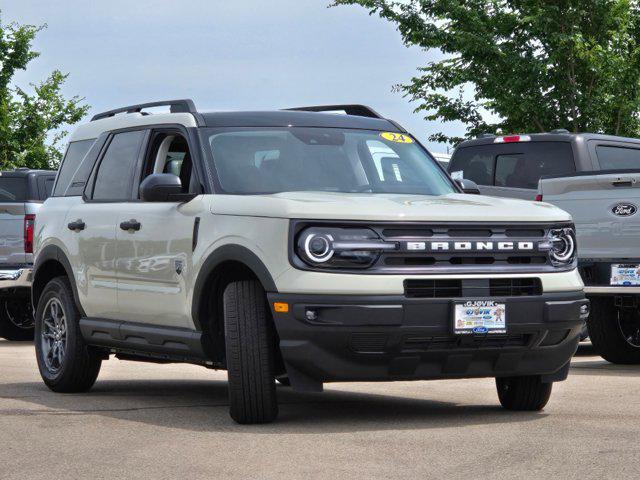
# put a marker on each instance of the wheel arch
(227, 255)
(52, 262)
(223, 266)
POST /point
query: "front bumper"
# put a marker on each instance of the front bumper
(379, 338)
(15, 278)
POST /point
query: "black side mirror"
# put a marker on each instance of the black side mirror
(163, 187)
(468, 186)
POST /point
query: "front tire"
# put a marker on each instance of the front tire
(614, 332)
(66, 363)
(16, 319)
(250, 353)
(523, 393)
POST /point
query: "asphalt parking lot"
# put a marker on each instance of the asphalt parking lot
(155, 421)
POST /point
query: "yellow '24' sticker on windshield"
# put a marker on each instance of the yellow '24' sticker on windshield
(396, 137)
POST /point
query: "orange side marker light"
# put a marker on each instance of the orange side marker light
(281, 307)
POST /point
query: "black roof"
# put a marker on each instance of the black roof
(286, 118)
(549, 137)
(355, 116)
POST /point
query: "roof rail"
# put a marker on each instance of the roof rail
(176, 106)
(352, 109)
(486, 135)
(560, 131)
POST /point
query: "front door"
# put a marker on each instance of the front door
(155, 263)
(155, 242)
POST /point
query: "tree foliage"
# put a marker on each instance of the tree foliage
(523, 65)
(31, 121)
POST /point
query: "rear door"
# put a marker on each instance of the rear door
(94, 220)
(512, 169)
(13, 193)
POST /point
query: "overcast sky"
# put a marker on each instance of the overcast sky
(224, 54)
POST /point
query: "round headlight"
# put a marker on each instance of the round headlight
(318, 247)
(563, 245)
(340, 248)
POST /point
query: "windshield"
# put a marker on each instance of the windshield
(271, 160)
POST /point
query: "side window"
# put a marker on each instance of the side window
(477, 164)
(618, 158)
(45, 186)
(169, 153)
(48, 187)
(72, 159)
(115, 173)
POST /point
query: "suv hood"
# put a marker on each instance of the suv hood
(455, 207)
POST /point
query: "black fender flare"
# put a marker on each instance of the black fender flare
(53, 252)
(223, 254)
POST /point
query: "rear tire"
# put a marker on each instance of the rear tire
(523, 393)
(16, 319)
(250, 353)
(66, 363)
(605, 325)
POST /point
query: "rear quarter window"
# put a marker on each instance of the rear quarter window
(72, 160)
(13, 189)
(514, 165)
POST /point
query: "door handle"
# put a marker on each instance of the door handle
(623, 182)
(130, 225)
(76, 226)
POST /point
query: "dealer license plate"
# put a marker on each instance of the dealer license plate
(479, 317)
(625, 274)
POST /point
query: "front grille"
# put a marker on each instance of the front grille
(427, 343)
(455, 260)
(493, 287)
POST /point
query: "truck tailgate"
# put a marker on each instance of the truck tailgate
(12, 234)
(604, 207)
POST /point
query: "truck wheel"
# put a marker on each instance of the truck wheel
(523, 393)
(614, 332)
(16, 319)
(65, 361)
(250, 349)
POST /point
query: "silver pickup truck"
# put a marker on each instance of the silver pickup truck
(596, 178)
(22, 192)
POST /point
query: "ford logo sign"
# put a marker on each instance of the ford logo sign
(624, 209)
(480, 329)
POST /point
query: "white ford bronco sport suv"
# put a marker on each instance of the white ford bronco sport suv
(297, 245)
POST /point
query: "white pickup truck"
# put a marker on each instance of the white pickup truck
(596, 178)
(22, 192)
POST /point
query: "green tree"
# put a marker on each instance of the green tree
(31, 123)
(523, 65)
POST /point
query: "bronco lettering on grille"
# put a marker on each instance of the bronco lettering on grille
(471, 246)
